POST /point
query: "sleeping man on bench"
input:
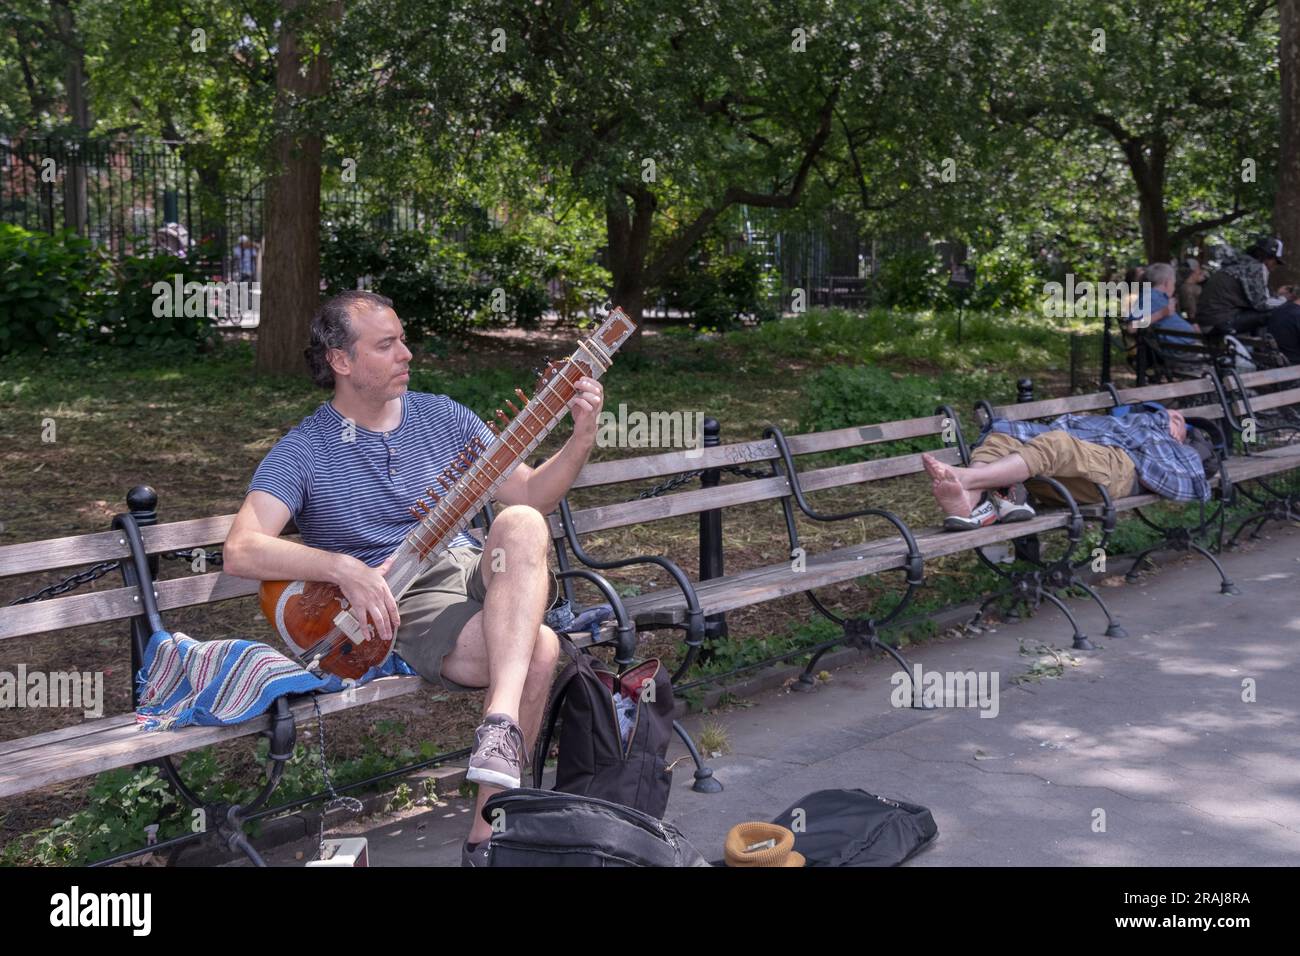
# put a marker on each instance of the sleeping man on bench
(1145, 450)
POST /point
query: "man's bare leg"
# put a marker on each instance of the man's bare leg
(471, 669)
(508, 650)
(951, 485)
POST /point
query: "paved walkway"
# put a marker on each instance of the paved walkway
(1152, 730)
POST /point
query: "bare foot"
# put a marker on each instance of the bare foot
(952, 497)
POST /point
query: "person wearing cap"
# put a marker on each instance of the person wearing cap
(1236, 299)
(1189, 290)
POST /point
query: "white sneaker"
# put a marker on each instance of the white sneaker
(1014, 506)
(983, 516)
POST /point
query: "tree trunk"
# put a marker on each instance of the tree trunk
(291, 276)
(75, 207)
(1286, 207)
(628, 234)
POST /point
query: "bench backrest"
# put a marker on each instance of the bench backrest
(661, 466)
(75, 609)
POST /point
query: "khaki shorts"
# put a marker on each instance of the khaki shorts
(1078, 465)
(434, 610)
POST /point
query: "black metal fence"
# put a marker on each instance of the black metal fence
(134, 196)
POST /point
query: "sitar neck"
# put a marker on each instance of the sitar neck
(468, 484)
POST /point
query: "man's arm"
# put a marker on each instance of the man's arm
(255, 550)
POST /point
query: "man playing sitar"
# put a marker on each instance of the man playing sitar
(467, 617)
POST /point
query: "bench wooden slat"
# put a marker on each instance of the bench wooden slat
(69, 552)
(1272, 400)
(673, 462)
(119, 603)
(626, 513)
(1053, 406)
(1271, 376)
(864, 435)
(833, 567)
(1159, 393)
(183, 535)
(120, 743)
(1273, 461)
(741, 453)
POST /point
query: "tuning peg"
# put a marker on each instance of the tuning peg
(511, 405)
(505, 420)
(423, 508)
(446, 485)
(522, 397)
(493, 426)
(433, 496)
(464, 461)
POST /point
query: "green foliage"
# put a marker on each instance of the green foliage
(718, 288)
(1005, 279)
(143, 287)
(57, 291)
(47, 288)
(912, 280)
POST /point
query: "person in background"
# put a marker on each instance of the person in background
(1160, 311)
(1236, 299)
(1189, 290)
(1132, 280)
(1284, 324)
(246, 259)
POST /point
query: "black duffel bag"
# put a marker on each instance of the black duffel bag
(547, 828)
(856, 828)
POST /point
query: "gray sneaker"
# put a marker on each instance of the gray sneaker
(475, 857)
(498, 757)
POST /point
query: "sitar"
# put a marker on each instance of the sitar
(313, 618)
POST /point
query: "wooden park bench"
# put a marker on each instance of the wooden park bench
(133, 547)
(697, 608)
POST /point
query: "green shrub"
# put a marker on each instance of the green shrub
(48, 287)
(716, 287)
(143, 287)
(1005, 280)
(912, 280)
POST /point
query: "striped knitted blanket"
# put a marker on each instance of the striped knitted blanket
(214, 683)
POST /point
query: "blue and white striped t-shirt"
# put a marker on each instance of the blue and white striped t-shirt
(355, 496)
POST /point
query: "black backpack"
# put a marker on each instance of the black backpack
(593, 760)
(856, 828)
(545, 828)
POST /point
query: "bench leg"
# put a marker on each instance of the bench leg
(1226, 586)
(1113, 628)
(862, 634)
(705, 781)
(1081, 642)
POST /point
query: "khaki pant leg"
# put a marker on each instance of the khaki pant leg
(995, 447)
(1078, 465)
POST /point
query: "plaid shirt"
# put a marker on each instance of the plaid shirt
(1164, 466)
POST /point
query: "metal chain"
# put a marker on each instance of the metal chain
(352, 803)
(213, 558)
(749, 472)
(672, 483)
(76, 581)
(669, 485)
